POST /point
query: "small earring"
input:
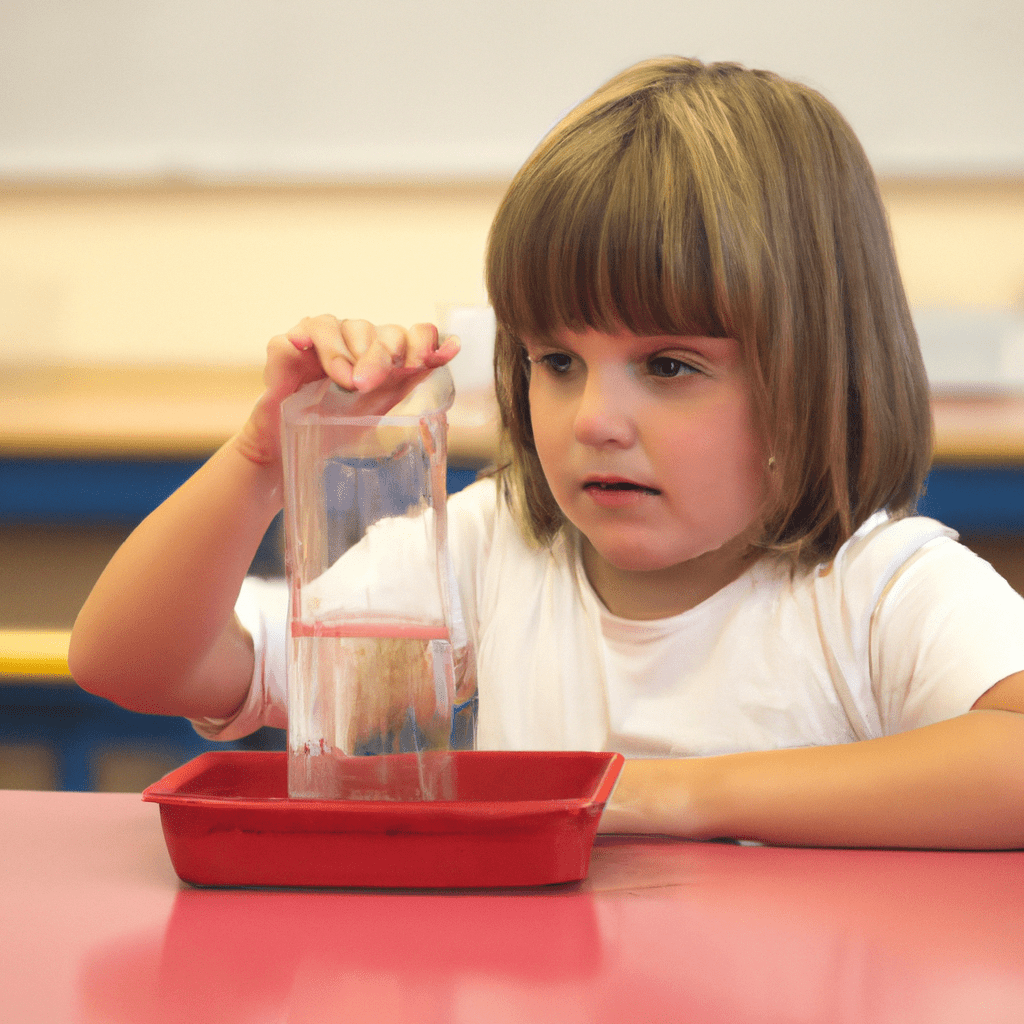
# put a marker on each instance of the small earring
(771, 462)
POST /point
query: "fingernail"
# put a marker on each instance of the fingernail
(361, 377)
(302, 344)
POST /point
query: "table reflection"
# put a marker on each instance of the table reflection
(661, 931)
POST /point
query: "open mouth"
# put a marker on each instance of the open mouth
(619, 485)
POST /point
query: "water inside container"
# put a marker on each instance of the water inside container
(377, 688)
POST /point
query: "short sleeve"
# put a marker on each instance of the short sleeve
(262, 609)
(947, 628)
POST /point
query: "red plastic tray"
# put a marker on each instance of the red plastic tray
(519, 818)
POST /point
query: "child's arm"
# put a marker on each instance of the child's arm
(158, 632)
(955, 784)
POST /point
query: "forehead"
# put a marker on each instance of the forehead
(629, 341)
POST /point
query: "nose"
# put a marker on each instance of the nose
(604, 415)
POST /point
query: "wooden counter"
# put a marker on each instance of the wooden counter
(984, 430)
(187, 412)
(91, 444)
(164, 412)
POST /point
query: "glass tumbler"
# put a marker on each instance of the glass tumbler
(370, 666)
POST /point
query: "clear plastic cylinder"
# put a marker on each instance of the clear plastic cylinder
(370, 667)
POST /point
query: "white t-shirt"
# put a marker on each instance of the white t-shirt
(903, 628)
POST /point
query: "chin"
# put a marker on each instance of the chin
(630, 558)
(644, 553)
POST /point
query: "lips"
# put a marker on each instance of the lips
(607, 485)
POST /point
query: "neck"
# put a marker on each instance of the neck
(661, 593)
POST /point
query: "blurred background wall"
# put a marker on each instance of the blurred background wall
(182, 179)
(206, 274)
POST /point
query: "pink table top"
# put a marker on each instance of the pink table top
(94, 926)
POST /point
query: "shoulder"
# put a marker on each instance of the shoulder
(939, 624)
(889, 560)
(845, 591)
(880, 552)
(882, 543)
(919, 564)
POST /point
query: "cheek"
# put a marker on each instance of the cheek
(552, 444)
(544, 424)
(749, 464)
(725, 457)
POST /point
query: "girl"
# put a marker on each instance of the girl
(699, 550)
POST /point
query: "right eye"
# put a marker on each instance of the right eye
(557, 362)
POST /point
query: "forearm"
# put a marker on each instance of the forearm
(956, 784)
(158, 632)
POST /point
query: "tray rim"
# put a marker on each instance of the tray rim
(161, 793)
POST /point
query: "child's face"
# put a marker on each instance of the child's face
(650, 446)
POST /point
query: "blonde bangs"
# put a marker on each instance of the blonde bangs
(609, 233)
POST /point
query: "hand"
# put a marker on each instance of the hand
(381, 363)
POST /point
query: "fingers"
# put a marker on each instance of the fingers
(387, 362)
(390, 354)
(321, 338)
(445, 352)
(360, 356)
(289, 365)
(381, 351)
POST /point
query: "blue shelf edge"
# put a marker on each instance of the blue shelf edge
(973, 499)
(985, 500)
(113, 491)
(77, 726)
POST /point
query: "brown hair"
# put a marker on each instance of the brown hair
(684, 198)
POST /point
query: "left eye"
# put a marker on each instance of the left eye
(669, 366)
(559, 362)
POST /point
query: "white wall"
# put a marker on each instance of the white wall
(302, 90)
(186, 177)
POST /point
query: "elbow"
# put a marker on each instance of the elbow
(80, 660)
(85, 663)
(102, 667)
(998, 770)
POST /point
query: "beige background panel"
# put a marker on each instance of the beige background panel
(204, 275)
(317, 90)
(960, 242)
(201, 275)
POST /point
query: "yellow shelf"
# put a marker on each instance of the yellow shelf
(34, 652)
(139, 412)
